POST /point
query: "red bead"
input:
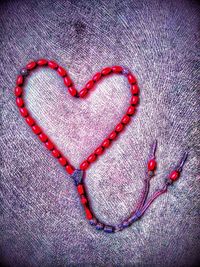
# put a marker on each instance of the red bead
(56, 153)
(43, 137)
(19, 102)
(106, 71)
(89, 84)
(69, 169)
(18, 91)
(52, 65)
(24, 112)
(92, 158)
(63, 161)
(80, 189)
(134, 100)
(62, 72)
(131, 78)
(99, 151)
(84, 165)
(42, 62)
(67, 81)
(119, 127)
(72, 91)
(88, 213)
(84, 200)
(131, 110)
(49, 145)
(174, 175)
(106, 143)
(117, 69)
(151, 164)
(126, 119)
(83, 92)
(19, 80)
(30, 121)
(31, 65)
(113, 135)
(36, 129)
(97, 77)
(134, 89)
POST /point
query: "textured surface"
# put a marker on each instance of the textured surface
(42, 223)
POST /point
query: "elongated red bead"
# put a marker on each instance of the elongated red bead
(19, 102)
(43, 137)
(52, 65)
(20, 80)
(151, 165)
(83, 92)
(62, 161)
(97, 77)
(24, 112)
(80, 189)
(131, 78)
(92, 158)
(117, 69)
(49, 145)
(31, 65)
(69, 169)
(88, 213)
(126, 119)
(84, 200)
(134, 100)
(36, 129)
(106, 71)
(174, 175)
(55, 153)
(134, 89)
(131, 110)
(62, 72)
(84, 165)
(67, 81)
(119, 127)
(106, 143)
(72, 91)
(30, 121)
(89, 84)
(99, 151)
(18, 91)
(112, 135)
(42, 62)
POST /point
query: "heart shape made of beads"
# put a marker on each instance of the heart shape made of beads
(81, 94)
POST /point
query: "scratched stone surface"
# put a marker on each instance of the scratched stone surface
(42, 221)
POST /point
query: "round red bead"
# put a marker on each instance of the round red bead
(63, 161)
(56, 153)
(18, 91)
(106, 71)
(43, 137)
(119, 127)
(69, 169)
(92, 158)
(126, 119)
(134, 89)
(72, 91)
(97, 77)
(90, 84)
(19, 80)
(174, 175)
(88, 213)
(30, 121)
(67, 81)
(134, 100)
(84, 165)
(106, 143)
(80, 189)
(113, 135)
(117, 69)
(49, 145)
(131, 78)
(151, 164)
(52, 65)
(24, 112)
(42, 62)
(19, 102)
(62, 72)
(36, 129)
(83, 92)
(84, 200)
(98, 151)
(131, 110)
(31, 65)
